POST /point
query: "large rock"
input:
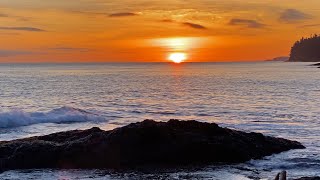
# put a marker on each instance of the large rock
(148, 143)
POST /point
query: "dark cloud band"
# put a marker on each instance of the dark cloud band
(193, 25)
(22, 29)
(246, 22)
(4, 15)
(293, 15)
(123, 14)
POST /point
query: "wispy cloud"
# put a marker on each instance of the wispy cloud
(123, 14)
(7, 53)
(189, 24)
(4, 15)
(247, 23)
(19, 18)
(193, 25)
(309, 25)
(166, 20)
(293, 15)
(22, 29)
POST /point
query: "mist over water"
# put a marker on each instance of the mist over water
(275, 98)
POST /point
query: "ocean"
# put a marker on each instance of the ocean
(275, 98)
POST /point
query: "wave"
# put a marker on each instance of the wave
(16, 118)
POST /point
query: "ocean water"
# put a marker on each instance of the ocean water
(274, 98)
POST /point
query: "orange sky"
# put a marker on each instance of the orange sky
(144, 30)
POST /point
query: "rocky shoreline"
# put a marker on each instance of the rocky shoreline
(144, 144)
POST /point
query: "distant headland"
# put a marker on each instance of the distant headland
(279, 59)
(306, 50)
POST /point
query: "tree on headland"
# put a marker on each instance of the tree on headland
(306, 49)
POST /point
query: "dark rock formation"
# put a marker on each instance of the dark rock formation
(283, 176)
(309, 178)
(317, 64)
(306, 50)
(148, 143)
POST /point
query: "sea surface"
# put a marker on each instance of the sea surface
(275, 98)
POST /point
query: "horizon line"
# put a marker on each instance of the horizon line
(136, 62)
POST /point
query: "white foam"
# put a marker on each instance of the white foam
(16, 118)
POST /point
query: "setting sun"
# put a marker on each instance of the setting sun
(177, 57)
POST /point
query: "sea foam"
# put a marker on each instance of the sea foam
(16, 118)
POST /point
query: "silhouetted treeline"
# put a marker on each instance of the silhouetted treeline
(306, 50)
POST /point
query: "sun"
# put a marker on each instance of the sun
(177, 57)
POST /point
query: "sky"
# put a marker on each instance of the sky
(152, 30)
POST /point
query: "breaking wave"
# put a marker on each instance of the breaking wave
(16, 118)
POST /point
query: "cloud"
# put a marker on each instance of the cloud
(19, 18)
(22, 29)
(7, 53)
(309, 26)
(293, 15)
(4, 15)
(246, 22)
(193, 25)
(167, 20)
(123, 14)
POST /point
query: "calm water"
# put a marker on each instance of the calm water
(278, 99)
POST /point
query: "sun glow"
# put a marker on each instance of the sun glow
(179, 44)
(177, 57)
(178, 49)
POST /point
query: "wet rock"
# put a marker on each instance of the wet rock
(281, 176)
(144, 144)
(317, 64)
